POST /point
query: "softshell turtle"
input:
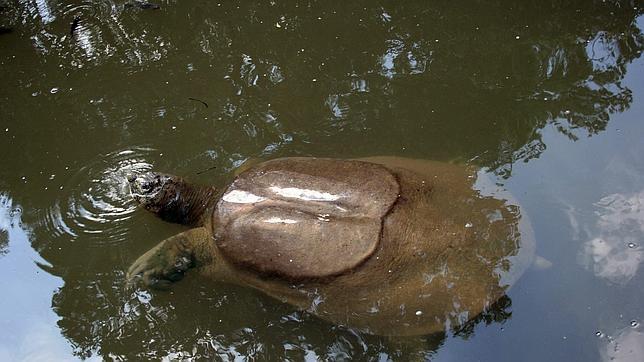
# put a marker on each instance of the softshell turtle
(387, 245)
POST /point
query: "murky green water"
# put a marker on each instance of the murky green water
(547, 96)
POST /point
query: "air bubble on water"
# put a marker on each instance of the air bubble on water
(174, 127)
(634, 323)
(419, 312)
(517, 37)
(632, 245)
(54, 90)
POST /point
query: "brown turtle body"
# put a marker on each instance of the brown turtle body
(387, 245)
(299, 219)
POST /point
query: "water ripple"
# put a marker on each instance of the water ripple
(95, 202)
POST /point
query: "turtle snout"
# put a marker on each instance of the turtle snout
(141, 184)
(148, 187)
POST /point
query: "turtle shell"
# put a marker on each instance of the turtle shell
(304, 217)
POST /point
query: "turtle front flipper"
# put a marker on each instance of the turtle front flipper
(169, 260)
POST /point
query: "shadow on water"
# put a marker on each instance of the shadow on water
(473, 84)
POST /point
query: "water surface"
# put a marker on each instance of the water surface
(547, 98)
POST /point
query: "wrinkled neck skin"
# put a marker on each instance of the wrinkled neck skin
(173, 199)
(187, 204)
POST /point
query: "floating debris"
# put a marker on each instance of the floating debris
(202, 171)
(198, 100)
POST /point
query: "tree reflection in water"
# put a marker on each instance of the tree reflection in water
(474, 84)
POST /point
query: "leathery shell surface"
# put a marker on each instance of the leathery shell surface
(304, 218)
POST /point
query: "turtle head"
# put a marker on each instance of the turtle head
(153, 190)
(171, 197)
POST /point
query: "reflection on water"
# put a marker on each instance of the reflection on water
(210, 85)
(615, 253)
(26, 310)
(273, 75)
(9, 218)
(627, 345)
(89, 32)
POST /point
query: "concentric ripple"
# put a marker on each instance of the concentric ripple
(95, 203)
